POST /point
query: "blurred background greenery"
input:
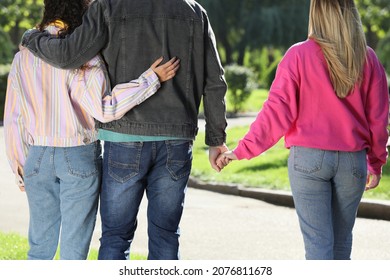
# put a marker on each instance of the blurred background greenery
(250, 34)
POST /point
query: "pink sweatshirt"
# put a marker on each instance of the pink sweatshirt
(303, 107)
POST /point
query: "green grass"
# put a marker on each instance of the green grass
(254, 102)
(268, 171)
(14, 247)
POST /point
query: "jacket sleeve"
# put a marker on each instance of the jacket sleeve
(75, 49)
(215, 88)
(15, 133)
(104, 105)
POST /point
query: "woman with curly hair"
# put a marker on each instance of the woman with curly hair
(51, 140)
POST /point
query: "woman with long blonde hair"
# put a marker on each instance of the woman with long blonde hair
(330, 101)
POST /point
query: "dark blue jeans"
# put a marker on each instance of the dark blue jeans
(161, 169)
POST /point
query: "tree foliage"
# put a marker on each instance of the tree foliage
(247, 25)
(16, 16)
(6, 49)
(375, 15)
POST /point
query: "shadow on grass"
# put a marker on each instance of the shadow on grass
(264, 166)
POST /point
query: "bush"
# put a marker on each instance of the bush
(383, 51)
(241, 82)
(4, 70)
(7, 48)
(270, 74)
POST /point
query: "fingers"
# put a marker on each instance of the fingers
(222, 161)
(372, 181)
(167, 70)
(212, 159)
(224, 158)
(156, 63)
(171, 66)
(214, 152)
(215, 167)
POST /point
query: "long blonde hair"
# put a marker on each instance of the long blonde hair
(336, 26)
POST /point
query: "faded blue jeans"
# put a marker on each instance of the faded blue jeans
(62, 187)
(327, 187)
(161, 169)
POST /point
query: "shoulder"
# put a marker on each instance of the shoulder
(302, 53)
(373, 67)
(96, 63)
(294, 53)
(372, 57)
(23, 58)
(303, 48)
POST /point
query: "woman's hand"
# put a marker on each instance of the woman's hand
(167, 70)
(372, 181)
(225, 158)
(19, 182)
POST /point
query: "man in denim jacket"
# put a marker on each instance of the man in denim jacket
(150, 148)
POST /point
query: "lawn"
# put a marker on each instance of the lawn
(15, 247)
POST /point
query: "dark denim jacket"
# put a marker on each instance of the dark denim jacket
(131, 34)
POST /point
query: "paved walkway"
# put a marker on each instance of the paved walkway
(215, 226)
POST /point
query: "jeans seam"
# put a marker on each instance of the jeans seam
(181, 162)
(355, 170)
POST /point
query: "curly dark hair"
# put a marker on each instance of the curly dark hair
(69, 11)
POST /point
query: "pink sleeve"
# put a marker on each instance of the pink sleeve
(377, 111)
(274, 120)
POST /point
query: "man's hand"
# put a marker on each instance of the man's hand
(372, 181)
(167, 70)
(26, 36)
(214, 152)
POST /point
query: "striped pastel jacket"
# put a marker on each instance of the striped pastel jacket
(47, 106)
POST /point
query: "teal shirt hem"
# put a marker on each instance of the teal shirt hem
(107, 135)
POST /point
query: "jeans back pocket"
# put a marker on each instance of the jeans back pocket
(124, 160)
(179, 158)
(307, 160)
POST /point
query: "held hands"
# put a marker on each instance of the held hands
(225, 158)
(372, 180)
(214, 152)
(220, 157)
(167, 70)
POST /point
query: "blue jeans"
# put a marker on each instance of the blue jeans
(327, 187)
(62, 186)
(161, 169)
